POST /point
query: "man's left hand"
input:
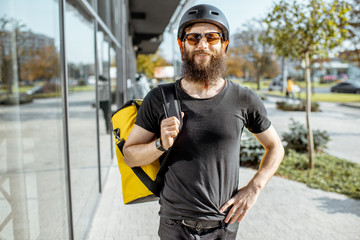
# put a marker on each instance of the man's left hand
(241, 203)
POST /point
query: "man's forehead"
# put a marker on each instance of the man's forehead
(204, 26)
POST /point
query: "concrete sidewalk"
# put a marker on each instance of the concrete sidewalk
(285, 210)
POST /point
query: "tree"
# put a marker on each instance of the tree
(10, 52)
(303, 31)
(354, 30)
(235, 62)
(256, 52)
(43, 64)
(146, 63)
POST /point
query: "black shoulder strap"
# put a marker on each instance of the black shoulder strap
(172, 107)
(171, 103)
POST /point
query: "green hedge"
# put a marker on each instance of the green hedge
(251, 150)
(296, 106)
(296, 139)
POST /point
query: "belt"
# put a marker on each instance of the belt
(200, 225)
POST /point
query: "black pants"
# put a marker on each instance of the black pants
(174, 230)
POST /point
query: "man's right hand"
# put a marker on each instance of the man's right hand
(169, 131)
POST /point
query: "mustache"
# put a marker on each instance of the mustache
(213, 54)
(202, 52)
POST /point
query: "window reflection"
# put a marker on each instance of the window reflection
(113, 72)
(33, 184)
(105, 128)
(32, 178)
(79, 33)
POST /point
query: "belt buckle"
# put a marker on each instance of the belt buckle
(185, 224)
(197, 226)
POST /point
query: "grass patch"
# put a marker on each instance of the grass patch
(252, 85)
(330, 173)
(47, 95)
(81, 88)
(323, 97)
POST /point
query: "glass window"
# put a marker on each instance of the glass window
(91, 2)
(115, 16)
(80, 45)
(103, 8)
(32, 179)
(113, 73)
(105, 128)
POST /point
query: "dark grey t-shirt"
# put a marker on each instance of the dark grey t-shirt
(204, 168)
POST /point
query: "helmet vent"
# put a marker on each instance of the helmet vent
(214, 13)
(193, 12)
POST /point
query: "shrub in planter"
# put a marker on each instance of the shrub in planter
(298, 106)
(16, 99)
(251, 150)
(297, 138)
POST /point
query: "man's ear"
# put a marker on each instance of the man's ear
(181, 46)
(225, 47)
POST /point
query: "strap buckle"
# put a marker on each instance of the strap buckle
(116, 133)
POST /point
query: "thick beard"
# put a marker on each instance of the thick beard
(207, 74)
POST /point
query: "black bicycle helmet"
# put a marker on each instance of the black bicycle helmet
(207, 14)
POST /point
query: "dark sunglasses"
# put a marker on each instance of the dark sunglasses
(211, 37)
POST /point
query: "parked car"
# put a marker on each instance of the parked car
(35, 90)
(276, 84)
(346, 87)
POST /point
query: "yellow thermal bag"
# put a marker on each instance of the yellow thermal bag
(141, 184)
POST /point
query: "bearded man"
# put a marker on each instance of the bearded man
(200, 198)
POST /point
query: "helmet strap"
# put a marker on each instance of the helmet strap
(225, 46)
(181, 46)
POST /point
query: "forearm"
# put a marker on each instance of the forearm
(141, 154)
(140, 148)
(268, 166)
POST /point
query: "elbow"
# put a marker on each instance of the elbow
(277, 150)
(127, 157)
(280, 154)
(129, 163)
(281, 150)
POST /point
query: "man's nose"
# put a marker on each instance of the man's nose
(203, 43)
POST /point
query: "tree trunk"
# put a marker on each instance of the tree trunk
(284, 73)
(310, 139)
(258, 79)
(14, 80)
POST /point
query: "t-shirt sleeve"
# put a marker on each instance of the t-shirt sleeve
(150, 112)
(257, 119)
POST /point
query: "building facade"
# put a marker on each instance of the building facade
(63, 64)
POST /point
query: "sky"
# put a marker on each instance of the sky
(237, 12)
